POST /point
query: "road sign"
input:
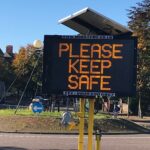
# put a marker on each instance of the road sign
(66, 117)
(37, 107)
(89, 65)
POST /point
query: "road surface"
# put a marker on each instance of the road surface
(69, 142)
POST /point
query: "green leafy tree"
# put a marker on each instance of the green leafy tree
(6, 70)
(140, 24)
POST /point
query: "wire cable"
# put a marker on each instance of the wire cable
(19, 74)
(27, 84)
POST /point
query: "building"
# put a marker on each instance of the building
(9, 55)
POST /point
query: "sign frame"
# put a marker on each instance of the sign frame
(50, 41)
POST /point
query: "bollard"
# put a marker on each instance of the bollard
(98, 139)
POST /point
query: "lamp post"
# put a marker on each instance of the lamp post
(39, 47)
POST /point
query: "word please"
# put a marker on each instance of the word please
(91, 50)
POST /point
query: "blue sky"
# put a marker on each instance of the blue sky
(23, 21)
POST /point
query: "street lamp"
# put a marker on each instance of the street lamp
(38, 44)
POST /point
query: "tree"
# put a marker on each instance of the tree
(25, 61)
(6, 70)
(140, 24)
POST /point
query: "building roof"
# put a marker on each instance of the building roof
(6, 55)
(88, 21)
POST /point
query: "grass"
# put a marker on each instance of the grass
(50, 122)
(27, 112)
(27, 121)
(102, 116)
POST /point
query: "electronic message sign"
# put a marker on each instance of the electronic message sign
(89, 65)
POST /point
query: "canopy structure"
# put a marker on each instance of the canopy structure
(88, 21)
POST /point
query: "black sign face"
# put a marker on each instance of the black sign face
(89, 66)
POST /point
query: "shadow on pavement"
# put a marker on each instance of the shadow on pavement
(12, 148)
(18, 148)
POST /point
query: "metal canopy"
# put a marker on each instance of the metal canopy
(88, 21)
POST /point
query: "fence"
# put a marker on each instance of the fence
(5, 106)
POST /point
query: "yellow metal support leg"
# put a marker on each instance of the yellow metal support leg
(97, 144)
(90, 124)
(81, 125)
(98, 140)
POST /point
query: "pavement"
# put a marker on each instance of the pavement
(144, 121)
(70, 142)
(136, 118)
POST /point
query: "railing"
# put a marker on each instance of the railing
(6, 106)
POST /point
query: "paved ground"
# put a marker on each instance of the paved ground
(69, 142)
(145, 118)
(145, 121)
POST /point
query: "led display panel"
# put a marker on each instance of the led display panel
(89, 65)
